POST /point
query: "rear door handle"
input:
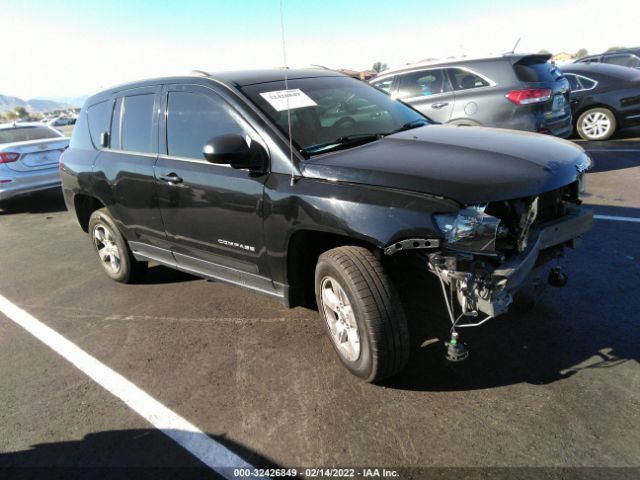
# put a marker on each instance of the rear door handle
(171, 178)
(439, 105)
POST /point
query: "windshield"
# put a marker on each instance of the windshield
(329, 113)
(26, 133)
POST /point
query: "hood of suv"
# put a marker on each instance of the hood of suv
(468, 164)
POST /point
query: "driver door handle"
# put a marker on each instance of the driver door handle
(172, 178)
(439, 105)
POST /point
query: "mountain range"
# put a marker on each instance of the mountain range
(40, 104)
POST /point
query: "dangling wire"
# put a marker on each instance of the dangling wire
(286, 87)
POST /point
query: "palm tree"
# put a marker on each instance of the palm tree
(379, 67)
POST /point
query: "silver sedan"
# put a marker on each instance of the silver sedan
(29, 155)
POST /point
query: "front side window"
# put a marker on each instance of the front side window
(423, 83)
(137, 123)
(329, 113)
(464, 79)
(193, 119)
(384, 85)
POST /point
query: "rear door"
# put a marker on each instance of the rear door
(212, 213)
(475, 97)
(123, 170)
(428, 91)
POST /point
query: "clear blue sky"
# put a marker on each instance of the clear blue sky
(70, 47)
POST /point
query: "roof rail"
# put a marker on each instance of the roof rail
(200, 72)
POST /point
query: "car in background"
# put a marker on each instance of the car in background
(29, 155)
(604, 98)
(516, 91)
(628, 57)
(61, 121)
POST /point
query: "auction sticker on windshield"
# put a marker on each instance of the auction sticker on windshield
(288, 99)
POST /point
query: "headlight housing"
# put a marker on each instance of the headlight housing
(471, 230)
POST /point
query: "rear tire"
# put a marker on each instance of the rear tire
(596, 124)
(362, 312)
(112, 249)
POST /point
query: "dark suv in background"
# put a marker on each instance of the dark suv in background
(627, 57)
(197, 173)
(520, 92)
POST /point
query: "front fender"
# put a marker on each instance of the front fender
(373, 215)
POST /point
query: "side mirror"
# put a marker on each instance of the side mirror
(233, 149)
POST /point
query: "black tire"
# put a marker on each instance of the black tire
(381, 323)
(581, 124)
(129, 269)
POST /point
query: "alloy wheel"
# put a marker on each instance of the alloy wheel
(340, 318)
(104, 240)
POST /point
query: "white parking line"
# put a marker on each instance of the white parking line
(204, 448)
(619, 219)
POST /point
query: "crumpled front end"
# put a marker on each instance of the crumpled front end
(490, 251)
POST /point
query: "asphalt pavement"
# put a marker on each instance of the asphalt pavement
(558, 387)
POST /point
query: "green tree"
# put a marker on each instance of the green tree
(583, 52)
(379, 67)
(19, 112)
(613, 49)
(544, 52)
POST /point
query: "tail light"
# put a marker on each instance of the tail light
(60, 158)
(528, 96)
(9, 157)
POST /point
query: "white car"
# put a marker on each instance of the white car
(29, 155)
(61, 122)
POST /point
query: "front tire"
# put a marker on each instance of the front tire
(362, 313)
(596, 124)
(112, 249)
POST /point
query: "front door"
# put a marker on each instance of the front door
(212, 213)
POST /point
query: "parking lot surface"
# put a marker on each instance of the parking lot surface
(556, 387)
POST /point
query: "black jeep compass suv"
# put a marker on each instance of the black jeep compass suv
(303, 184)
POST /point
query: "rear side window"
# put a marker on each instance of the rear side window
(573, 81)
(535, 71)
(137, 123)
(192, 120)
(24, 134)
(464, 79)
(384, 85)
(423, 83)
(81, 137)
(99, 116)
(586, 83)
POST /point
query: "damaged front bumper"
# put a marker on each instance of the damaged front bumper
(481, 286)
(565, 230)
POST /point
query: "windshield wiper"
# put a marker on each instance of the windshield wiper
(418, 122)
(350, 140)
(342, 142)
